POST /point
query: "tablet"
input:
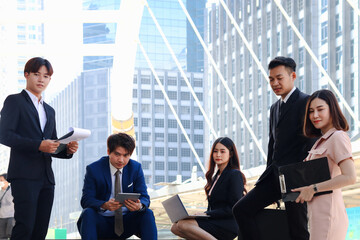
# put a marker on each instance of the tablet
(121, 197)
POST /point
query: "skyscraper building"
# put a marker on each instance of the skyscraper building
(195, 52)
(329, 28)
(161, 147)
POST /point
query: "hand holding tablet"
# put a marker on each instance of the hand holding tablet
(121, 197)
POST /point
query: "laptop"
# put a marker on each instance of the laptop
(176, 211)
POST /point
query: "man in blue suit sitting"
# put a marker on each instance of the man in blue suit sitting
(105, 218)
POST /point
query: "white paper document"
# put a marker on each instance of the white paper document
(75, 134)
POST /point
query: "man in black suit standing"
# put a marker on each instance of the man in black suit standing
(287, 145)
(27, 126)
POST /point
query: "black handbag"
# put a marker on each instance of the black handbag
(273, 224)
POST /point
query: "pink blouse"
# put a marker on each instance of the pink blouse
(327, 215)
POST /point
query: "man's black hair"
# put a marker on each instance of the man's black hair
(121, 140)
(283, 61)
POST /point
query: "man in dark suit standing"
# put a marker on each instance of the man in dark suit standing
(105, 218)
(287, 145)
(27, 126)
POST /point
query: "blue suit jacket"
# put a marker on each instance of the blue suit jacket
(97, 183)
(20, 130)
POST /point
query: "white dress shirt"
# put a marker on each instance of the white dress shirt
(39, 105)
(288, 95)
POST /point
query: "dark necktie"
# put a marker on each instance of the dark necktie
(282, 107)
(119, 227)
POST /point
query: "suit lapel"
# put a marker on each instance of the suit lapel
(106, 171)
(32, 108)
(125, 178)
(220, 180)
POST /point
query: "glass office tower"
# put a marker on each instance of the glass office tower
(173, 22)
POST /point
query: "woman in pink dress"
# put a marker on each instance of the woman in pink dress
(327, 215)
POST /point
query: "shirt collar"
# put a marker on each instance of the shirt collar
(288, 95)
(328, 133)
(114, 169)
(34, 98)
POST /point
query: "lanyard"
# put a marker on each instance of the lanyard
(4, 193)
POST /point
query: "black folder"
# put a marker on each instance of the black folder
(302, 174)
(62, 146)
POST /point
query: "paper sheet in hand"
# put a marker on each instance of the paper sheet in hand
(302, 174)
(74, 134)
(176, 210)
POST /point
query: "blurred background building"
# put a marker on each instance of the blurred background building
(161, 147)
(85, 103)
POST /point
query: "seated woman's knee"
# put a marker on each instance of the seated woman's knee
(183, 225)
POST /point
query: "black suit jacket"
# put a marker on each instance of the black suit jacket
(20, 130)
(226, 192)
(287, 143)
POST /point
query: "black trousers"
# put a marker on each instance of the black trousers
(262, 195)
(33, 200)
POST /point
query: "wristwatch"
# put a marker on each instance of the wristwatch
(142, 207)
(315, 188)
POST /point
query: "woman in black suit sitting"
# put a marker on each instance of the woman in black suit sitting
(222, 190)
